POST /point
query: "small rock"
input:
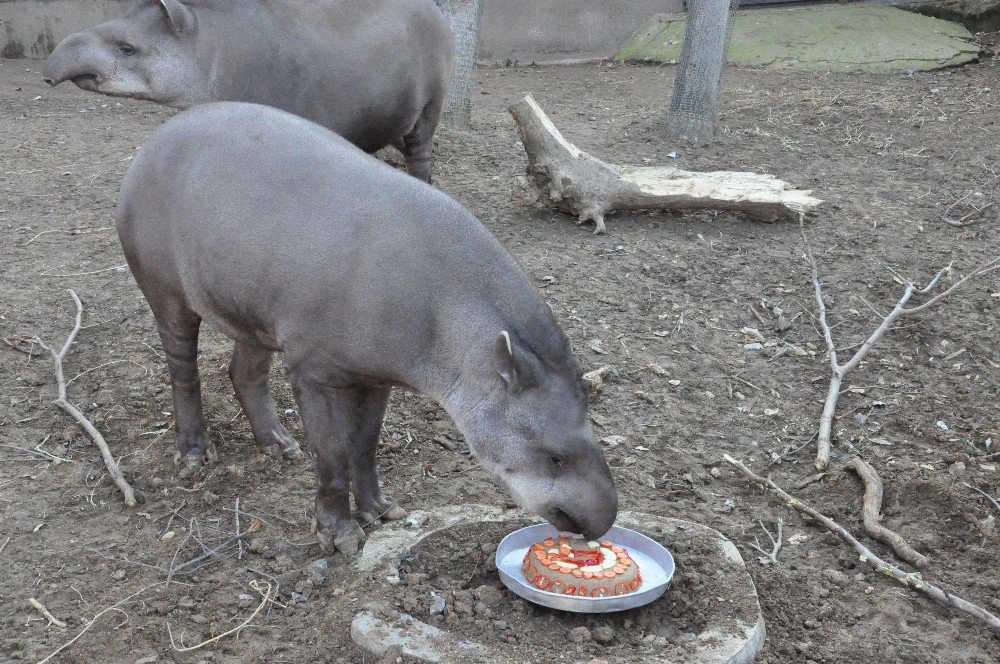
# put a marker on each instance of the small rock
(167, 536)
(603, 634)
(438, 605)
(119, 575)
(957, 467)
(285, 562)
(317, 572)
(579, 635)
(836, 577)
(299, 598)
(482, 610)
(520, 606)
(199, 619)
(488, 595)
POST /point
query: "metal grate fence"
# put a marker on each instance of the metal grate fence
(465, 18)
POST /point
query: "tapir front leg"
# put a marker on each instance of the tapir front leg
(179, 334)
(372, 505)
(328, 417)
(249, 371)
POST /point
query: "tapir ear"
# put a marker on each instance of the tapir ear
(179, 17)
(516, 365)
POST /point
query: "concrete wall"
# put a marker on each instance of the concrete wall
(32, 28)
(550, 30)
(518, 30)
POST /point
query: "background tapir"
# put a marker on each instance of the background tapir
(365, 279)
(374, 71)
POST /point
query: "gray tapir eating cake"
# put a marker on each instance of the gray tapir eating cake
(287, 238)
(374, 71)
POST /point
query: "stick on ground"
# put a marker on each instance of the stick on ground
(45, 612)
(900, 311)
(76, 414)
(910, 579)
(770, 557)
(977, 490)
(872, 514)
(113, 607)
(266, 598)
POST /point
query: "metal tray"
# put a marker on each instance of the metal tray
(656, 563)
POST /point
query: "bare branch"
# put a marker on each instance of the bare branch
(770, 557)
(57, 359)
(909, 579)
(982, 270)
(839, 370)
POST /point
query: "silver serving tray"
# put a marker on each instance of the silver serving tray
(654, 561)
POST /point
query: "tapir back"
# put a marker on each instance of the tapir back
(282, 234)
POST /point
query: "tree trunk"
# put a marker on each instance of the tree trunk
(465, 19)
(694, 107)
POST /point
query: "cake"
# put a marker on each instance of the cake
(573, 566)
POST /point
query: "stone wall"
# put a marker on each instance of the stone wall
(513, 30)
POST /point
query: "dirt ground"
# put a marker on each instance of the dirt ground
(664, 296)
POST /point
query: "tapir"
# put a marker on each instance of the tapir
(365, 279)
(374, 71)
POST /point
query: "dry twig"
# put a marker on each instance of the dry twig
(63, 402)
(910, 579)
(871, 512)
(900, 311)
(266, 598)
(113, 607)
(45, 612)
(770, 557)
(978, 490)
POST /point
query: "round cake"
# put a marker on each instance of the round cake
(569, 565)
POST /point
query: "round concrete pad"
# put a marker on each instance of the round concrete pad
(730, 625)
(837, 37)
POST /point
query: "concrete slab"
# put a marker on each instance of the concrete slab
(413, 638)
(733, 636)
(854, 37)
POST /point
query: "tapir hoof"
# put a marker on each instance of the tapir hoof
(194, 459)
(391, 513)
(284, 446)
(347, 537)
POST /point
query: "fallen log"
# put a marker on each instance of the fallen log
(562, 175)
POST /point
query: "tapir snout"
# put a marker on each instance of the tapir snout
(77, 58)
(590, 506)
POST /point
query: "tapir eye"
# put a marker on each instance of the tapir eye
(126, 49)
(556, 460)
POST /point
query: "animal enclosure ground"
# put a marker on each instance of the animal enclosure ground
(706, 321)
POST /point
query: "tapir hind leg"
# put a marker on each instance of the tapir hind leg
(328, 416)
(178, 327)
(369, 408)
(419, 143)
(249, 372)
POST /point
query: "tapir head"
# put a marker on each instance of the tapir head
(148, 53)
(533, 434)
